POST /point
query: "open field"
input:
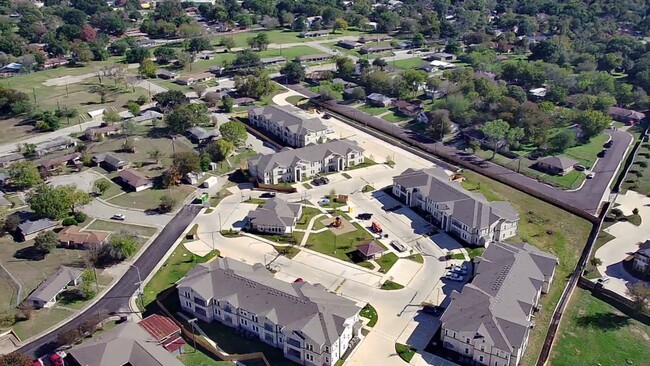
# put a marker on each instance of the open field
(595, 333)
(394, 117)
(373, 110)
(282, 36)
(307, 214)
(338, 246)
(41, 320)
(409, 63)
(546, 227)
(117, 226)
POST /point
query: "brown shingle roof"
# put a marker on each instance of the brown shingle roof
(74, 235)
(134, 178)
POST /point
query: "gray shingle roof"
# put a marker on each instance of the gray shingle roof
(312, 153)
(470, 208)
(11, 158)
(286, 117)
(496, 304)
(110, 159)
(126, 344)
(55, 283)
(31, 227)
(560, 162)
(275, 212)
(147, 116)
(201, 133)
(308, 310)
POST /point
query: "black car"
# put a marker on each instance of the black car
(433, 310)
(267, 195)
(364, 216)
(317, 182)
(602, 153)
(609, 144)
(394, 208)
(325, 180)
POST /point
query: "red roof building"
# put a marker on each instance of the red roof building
(164, 331)
(369, 249)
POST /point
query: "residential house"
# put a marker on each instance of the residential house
(266, 61)
(378, 100)
(442, 65)
(275, 216)
(309, 324)
(377, 38)
(404, 44)
(110, 162)
(7, 160)
(314, 58)
(12, 67)
(205, 55)
(369, 250)
(135, 180)
(290, 165)
(286, 124)
(45, 295)
(628, 116)
(641, 261)
(350, 45)
(57, 144)
(28, 229)
(410, 109)
(166, 74)
(127, 344)
(538, 93)
(164, 331)
(54, 164)
(558, 165)
(200, 135)
(376, 49)
(147, 43)
(243, 101)
(467, 216)
(315, 77)
(148, 116)
(4, 202)
(52, 63)
(442, 56)
(73, 237)
(312, 34)
(194, 78)
(489, 322)
(97, 133)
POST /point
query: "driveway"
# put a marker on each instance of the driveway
(83, 181)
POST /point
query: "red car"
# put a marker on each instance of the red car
(57, 359)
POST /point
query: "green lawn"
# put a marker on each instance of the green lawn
(192, 357)
(288, 251)
(405, 352)
(546, 227)
(234, 162)
(338, 246)
(475, 252)
(369, 313)
(175, 268)
(289, 53)
(346, 176)
(394, 117)
(416, 258)
(390, 285)
(637, 177)
(373, 110)
(595, 333)
(150, 198)
(591, 271)
(112, 190)
(409, 63)
(307, 186)
(366, 163)
(586, 153)
(386, 262)
(295, 99)
(307, 214)
(40, 321)
(117, 226)
(283, 36)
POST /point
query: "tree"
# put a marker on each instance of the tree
(380, 63)
(133, 107)
(199, 44)
(68, 336)
(293, 71)
(186, 162)
(164, 54)
(635, 211)
(227, 104)
(345, 66)
(475, 145)
(439, 124)
(418, 40)
(183, 59)
(45, 241)
(102, 90)
(259, 42)
(47, 121)
(233, 131)
(167, 204)
(170, 99)
(358, 93)
(220, 149)
(514, 136)
(11, 222)
(24, 175)
(56, 202)
(111, 116)
(121, 246)
(102, 185)
(15, 359)
(136, 55)
(155, 155)
(341, 24)
(187, 116)
(592, 122)
(147, 69)
(562, 141)
(246, 59)
(496, 132)
(326, 92)
(227, 43)
(595, 261)
(640, 295)
(255, 85)
(414, 78)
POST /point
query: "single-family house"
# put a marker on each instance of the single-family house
(410, 109)
(369, 250)
(266, 61)
(243, 101)
(7, 160)
(275, 216)
(30, 228)
(110, 162)
(128, 343)
(315, 77)
(538, 93)
(194, 78)
(490, 320)
(375, 49)
(466, 215)
(205, 55)
(12, 67)
(378, 100)
(287, 124)
(309, 324)
(290, 165)
(558, 165)
(441, 56)
(314, 58)
(4, 202)
(628, 116)
(166, 74)
(96, 133)
(135, 180)
(148, 116)
(375, 38)
(54, 164)
(57, 144)
(73, 237)
(45, 295)
(350, 45)
(316, 33)
(200, 135)
(641, 261)
(51, 63)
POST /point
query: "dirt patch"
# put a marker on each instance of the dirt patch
(344, 227)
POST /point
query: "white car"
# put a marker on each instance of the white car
(398, 246)
(118, 217)
(591, 175)
(453, 276)
(458, 270)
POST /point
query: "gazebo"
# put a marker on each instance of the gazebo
(369, 249)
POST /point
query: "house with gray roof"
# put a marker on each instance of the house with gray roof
(57, 144)
(641, 261)
(291, 165)
(309, 324)
(489, 322)
(110, 162)
(467, 216)
(275, 216)
(7, 160)
(200, 135)
(45, 295)
(126, 344)
(286, 124)
(29, 229)
(147, 116)
(558, 165)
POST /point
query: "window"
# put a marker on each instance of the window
(446, 332)
(480, 358)
(293, 342)
(467, 340)
(310, 347)
(466, 350)
(327, 349)
(188, 304)
(186, 294)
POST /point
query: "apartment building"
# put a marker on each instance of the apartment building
(287, 125)
(489, 322)
(468, 216)
(309, 324)
(291, 165)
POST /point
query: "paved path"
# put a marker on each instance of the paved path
(309, 230)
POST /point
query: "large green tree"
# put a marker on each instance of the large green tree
(45, 241)
(186, 162)
(496, 132)
(24, 174)
(592, 122)
(57, 202)
(233, 131)
(187, 116)
(293, 71)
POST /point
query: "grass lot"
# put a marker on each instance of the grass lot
(173, 270)
(416, 258)
(9, 290)
(113, 190)
(366, 163)
(150, 198)
(192, 357)
(288, 251)
(338, 246)
(591, 271)
(409, 63)
(637, 177)
(386, 262)
(404, 352)
(41, 320)
(369, 313)
(595, 333)
(138, 230)
(307, 214)
(394, 117)
(307, 186)
(547, 228)
(390, 285)
(373, 110)
(283, 36)
(234, 162)
(295, 99)
(475, 252)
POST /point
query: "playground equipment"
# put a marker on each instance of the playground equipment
(375, 227)
(337, 223)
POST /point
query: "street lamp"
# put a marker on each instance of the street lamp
(139, 285)
(192, 321)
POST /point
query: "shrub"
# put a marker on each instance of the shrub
(80, 217)
(635, 211)
(643, 164)
(69, 221)
(639, 174)
(7, 320)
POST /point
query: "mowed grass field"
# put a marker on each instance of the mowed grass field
(593, 332)
(281, 36)
(546, 227)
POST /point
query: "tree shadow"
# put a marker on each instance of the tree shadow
(29, 253)
(603, 321)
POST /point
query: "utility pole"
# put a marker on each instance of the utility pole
(192, 321)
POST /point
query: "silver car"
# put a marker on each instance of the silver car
(398, 246)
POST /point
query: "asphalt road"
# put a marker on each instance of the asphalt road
(117, 298)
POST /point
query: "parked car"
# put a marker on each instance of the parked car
(580, 168)
(118, 217)
(602, 154)
(267, 195)
(453, 276)
(394, 208)
(432, 309)
(458, 270)
(325, 180)
(398, 246)
(591, 175)
(327, 116)
(364, 216)
(317, 182)
(457, 267)
(57, 358)
(609, 144)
